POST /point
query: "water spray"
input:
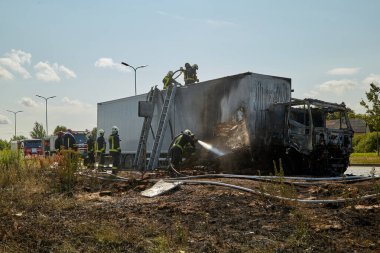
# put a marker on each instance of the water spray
(209, 147)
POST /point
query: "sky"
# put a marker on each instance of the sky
(73, 49)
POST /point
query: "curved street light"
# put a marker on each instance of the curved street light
(15, 119)
(46, 100)
(135, 69)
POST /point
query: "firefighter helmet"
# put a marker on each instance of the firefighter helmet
(170, 73)
(101, 132)
(187, 65)
(195, 66)
(188, 132)
(115, 130)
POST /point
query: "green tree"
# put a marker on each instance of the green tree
(18, 138)
(38, 131)
(4, 144)
(373, 108)
(59, 128)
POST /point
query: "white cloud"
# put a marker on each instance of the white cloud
(343, 71)
(4, 120)
(14, 62)
(338, 86)
(372, 78)
(68, 73)
(28, 102)
(5, 74)
(51, 72)
(105, 62)
(75, 103)
(46, 72)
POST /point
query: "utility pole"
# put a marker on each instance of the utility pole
(15, 119)
(135, 69)
(46, 100)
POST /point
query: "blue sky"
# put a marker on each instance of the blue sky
(73, 49)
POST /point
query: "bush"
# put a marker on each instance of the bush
(357, 138)
(365, 143)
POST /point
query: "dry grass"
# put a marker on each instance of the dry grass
(38, 214)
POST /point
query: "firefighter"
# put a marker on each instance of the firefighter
(168, 80)
(58, 144)
(178, 145)
(101, 148)
(69, 140)
(195, 68)
(90, 150)
(114, 142)
(190, 73)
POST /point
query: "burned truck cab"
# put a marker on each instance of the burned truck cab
(312, 144)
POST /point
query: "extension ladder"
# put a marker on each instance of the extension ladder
(162, 125)
(139, 160)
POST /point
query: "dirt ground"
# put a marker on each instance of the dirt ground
(109, 216)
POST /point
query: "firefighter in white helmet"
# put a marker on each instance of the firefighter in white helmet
(114, 144)
(178, 145)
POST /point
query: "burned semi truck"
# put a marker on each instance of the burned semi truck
(251, 117)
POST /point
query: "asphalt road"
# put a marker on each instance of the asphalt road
(362, 170)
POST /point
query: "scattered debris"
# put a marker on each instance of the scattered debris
(160, 188)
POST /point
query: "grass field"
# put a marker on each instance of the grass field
(364, 158)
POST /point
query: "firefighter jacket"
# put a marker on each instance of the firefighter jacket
(190, 75)
(182, 140)
(69, 140)
(101, 144)
(114, 142)
(90, 145)
(167, 81)
(58, 143)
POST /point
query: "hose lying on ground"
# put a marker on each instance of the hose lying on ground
(285, 180)
(309, 201)
(273, 177)
(195, 182)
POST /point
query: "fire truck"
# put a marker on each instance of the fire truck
(81, 142)
(80, 146)
(32, 147)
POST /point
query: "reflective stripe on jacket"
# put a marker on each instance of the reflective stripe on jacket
(114, 142)
(100, 145)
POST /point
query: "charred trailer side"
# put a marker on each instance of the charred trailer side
(241, 100)
(307, 142)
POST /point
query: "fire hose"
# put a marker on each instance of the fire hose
(256, 192)
(309, 201)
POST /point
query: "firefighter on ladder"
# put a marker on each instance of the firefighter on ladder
(178, 147)
(100, 147)
(114, 142)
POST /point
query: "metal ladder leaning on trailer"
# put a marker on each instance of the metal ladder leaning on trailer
(162, 125)
(139, 161)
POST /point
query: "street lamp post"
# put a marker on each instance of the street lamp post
(46, 100)
(135, 69)
(15, 119)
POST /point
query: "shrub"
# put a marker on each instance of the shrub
(356, 139)
(367, 143)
